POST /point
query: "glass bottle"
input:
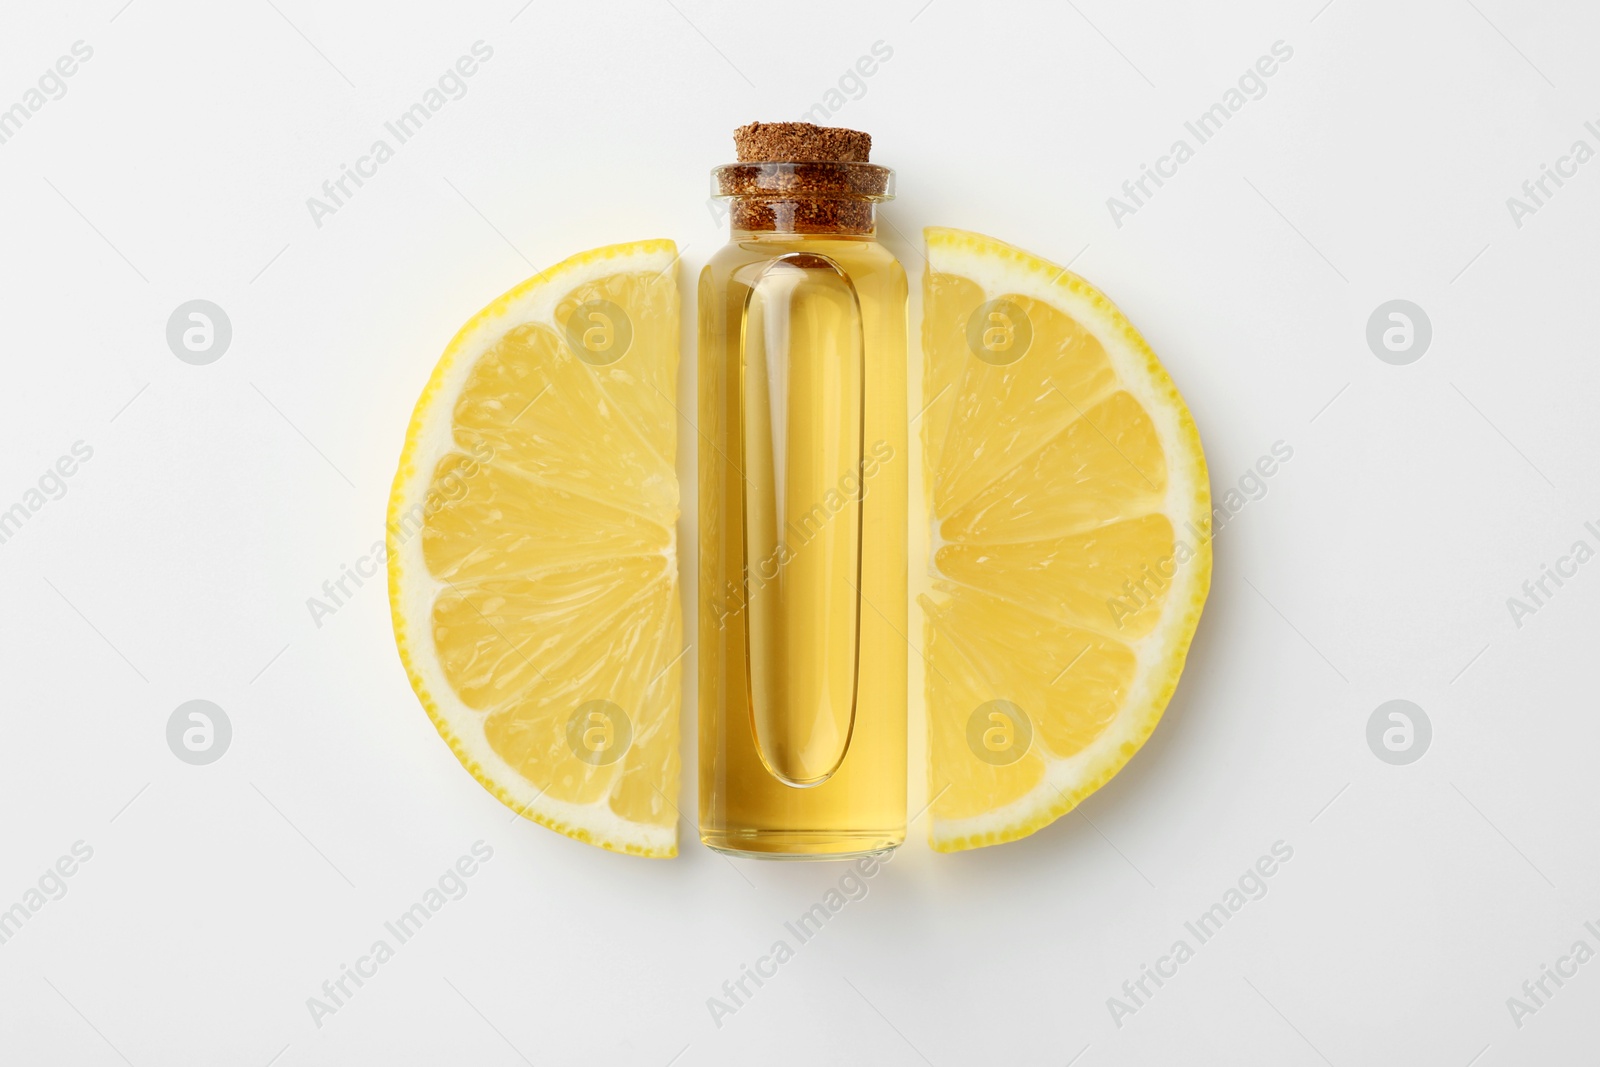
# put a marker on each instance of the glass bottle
(803, 468)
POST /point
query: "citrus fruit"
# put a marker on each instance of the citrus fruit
(1069, 546)
(533, 551)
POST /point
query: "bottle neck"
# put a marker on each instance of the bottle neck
(823, 197)
(802, 215)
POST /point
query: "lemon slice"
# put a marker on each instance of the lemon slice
(533, 551)
(1070, 542)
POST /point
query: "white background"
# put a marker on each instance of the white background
(1377, 566)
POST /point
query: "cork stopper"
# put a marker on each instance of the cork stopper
(796, 177)
(800, 142)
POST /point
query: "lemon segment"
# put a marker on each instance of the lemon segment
(532, 545)
(1069, 545)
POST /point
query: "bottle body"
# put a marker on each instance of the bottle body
(802, 482)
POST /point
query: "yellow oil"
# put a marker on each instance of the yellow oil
(803, 464)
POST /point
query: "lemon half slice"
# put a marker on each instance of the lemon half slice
(533, 554)
(1070, 546)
